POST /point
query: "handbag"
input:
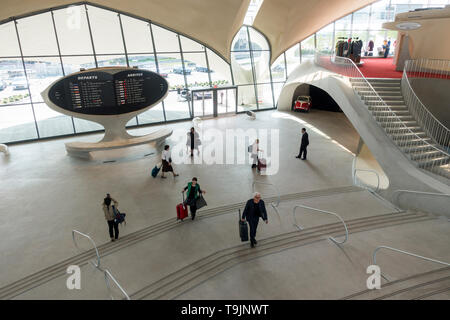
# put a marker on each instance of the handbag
(200, 202)
(119, 217)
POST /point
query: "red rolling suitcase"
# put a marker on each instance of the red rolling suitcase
(182, 211)
(261, 164)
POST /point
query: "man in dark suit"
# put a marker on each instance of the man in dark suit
(254, 209)
(303, 145)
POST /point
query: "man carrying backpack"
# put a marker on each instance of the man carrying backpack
(110, 216)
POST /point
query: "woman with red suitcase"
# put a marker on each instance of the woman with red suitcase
(193, 194)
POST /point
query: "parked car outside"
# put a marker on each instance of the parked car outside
(180, 71)
(201, 69)
(20, 84)
(186, 94)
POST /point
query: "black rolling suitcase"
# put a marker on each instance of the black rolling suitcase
(243, 229)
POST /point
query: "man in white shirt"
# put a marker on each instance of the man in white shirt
(255, 149)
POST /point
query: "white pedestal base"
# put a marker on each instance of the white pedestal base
(83, 149)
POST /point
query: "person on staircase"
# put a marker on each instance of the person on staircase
(254, 210)
(193, 192)
(110, 216)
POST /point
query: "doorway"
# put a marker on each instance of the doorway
(212, 102)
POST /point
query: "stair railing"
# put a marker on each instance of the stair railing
(359, 183)
(107, 274)
(374, 257)
(321, 211)
(393, 124)
(74, 232)
(396, 194)
(425, 69)
(274, 205)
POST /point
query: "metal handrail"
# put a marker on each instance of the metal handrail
(106, 272)
(362, 184)
(273, 204)
(354, 72)
(109, 275)
(93, 243)
(322, 211)
(366, 185)
(374, 256)
(439, 132)
(396, 192)
(269, 184)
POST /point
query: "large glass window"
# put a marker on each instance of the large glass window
(138, 38)
(220, 70)
(72, 31)
(308, 48)
(279, 69)
(325, 39)
(143, 61)
(190, 45)
(170, 64)
(106, 31)
(37, 35)
(361, 19)
(176, 106)
(51, 123)
(13, 83)
(9, 46)
(42, 72)
(240, 41)
(165, 40)
(250, 61)
(195, 64)
(17, 123)
(241, 63)
(89, 36)
(154, 114)
(261, 63)
(293, 58)
(74, 64)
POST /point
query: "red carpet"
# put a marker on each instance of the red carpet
(379, 68)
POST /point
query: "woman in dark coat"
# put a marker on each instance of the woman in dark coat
(167, 162)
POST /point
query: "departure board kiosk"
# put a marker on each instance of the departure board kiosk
(110, 96)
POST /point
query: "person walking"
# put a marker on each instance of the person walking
(193, 141)
(303, 145)
(371, 45)
(110, 216)
(193, 192)
(167, 162)
(254, 209)
(388, 46)
(254, 148)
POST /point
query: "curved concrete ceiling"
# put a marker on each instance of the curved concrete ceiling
(211, 22)
(286, 22)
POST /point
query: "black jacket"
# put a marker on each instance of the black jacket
(249, 211)
(305, 139)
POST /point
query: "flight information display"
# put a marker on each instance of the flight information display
(109, 91)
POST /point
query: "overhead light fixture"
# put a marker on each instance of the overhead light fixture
(408, 25)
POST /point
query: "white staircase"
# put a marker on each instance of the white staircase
(388, 108)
